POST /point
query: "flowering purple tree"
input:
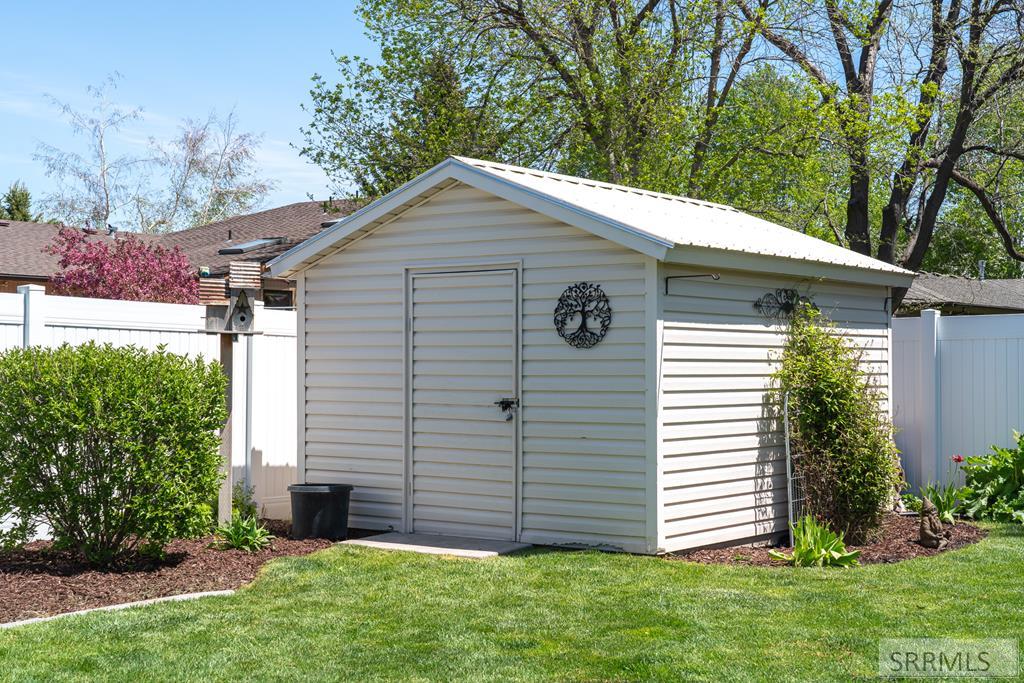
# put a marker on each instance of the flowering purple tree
(126, 268)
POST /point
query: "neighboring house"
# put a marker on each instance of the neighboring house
(23, 256)
(498, 352)
(962, 296)
(255, 237)
(22, 259)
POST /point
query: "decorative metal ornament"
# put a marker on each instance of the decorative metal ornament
(780, 304)
(583, 315)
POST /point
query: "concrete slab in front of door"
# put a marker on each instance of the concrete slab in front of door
(475, 548)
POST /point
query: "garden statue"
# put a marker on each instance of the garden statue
(932, 533)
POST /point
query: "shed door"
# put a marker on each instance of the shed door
(463, 351)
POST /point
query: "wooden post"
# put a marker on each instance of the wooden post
(230, 308)
(227, 362)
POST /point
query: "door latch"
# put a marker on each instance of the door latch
(508, 406)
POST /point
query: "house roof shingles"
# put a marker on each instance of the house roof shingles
(22, 244)
(294, 223)
(21, 249)
(946, 290)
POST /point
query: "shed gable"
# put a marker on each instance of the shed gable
(583, 470)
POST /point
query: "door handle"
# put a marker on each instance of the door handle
(508, 406)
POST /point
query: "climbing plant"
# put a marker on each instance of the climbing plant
(848, 459)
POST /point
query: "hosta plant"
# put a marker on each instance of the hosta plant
(911, 502)
(815, 545)
(242, 533)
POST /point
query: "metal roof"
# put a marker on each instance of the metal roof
(682, 221)
(647, 221)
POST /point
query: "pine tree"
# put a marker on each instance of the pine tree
(379, 146)
(436, 122)
(16, 204)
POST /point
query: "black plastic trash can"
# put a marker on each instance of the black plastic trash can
(320, 511)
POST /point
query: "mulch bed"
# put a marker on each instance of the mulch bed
(897, 542)
(37, 581)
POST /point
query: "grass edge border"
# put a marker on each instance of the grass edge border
(181, 597)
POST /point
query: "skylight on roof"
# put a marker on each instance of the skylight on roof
(251, 245)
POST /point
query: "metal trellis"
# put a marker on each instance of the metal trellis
(795, 489)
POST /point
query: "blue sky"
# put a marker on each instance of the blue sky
(177, 59)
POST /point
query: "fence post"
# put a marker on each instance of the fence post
(236, 437)
(227, 434)
(931, 405)
(33, 320)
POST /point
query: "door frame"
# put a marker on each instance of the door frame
(462, 268)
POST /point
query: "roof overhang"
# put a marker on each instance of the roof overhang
(24, 276)
(736, 260)
(451, 171)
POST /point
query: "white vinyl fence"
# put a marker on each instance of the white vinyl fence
(957, 389)
(263, 391)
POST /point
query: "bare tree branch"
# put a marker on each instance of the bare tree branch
(992, 212)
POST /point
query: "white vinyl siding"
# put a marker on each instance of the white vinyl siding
(722, 466)
(583, 442)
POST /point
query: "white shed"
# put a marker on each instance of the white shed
(642, 429)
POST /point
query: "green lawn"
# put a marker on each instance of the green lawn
(361, 614)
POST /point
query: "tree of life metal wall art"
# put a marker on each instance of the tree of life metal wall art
(780, 304)
(583, 315)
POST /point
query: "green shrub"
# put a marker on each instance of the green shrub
(994, 486)
(815, 545)
(848, 460)
(115, 449)
(242, 533)
(242, 501)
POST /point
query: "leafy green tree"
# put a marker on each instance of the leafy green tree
(766, 158)
(399, 138)
(665, 95)
(433, 93)
(862, 121)
(907, 88)
(16, 204)
(961, 242)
